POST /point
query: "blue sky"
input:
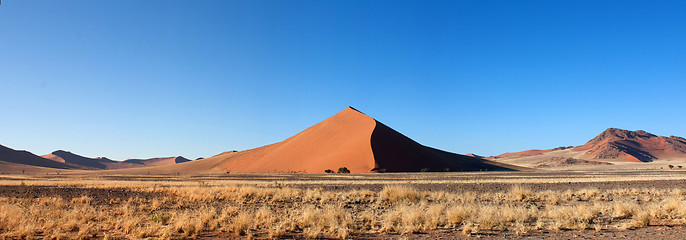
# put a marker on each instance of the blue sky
(138, 79)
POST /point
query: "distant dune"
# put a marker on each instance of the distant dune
(14, 161)
(611, 146)
(526, 153)
(348, 139)
(158, 161)
(103, 163)
(87, 163)
(24, 159)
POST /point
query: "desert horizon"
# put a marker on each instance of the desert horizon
(362, 144)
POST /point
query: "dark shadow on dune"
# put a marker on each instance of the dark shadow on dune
(144, 162)
(136, 161)
(81, 160)
(394, 152)
(24, 157)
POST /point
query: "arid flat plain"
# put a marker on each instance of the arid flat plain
(492, 205)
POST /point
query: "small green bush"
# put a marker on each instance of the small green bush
(343, 170)
(328, 171)
(425, 170)
(161, 218)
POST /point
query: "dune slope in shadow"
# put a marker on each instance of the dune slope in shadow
(394, 152)
(27, 158)
(348, 139)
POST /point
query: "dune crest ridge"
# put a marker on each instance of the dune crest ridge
(161, 161)
(103, 163)
(347, 139)
(25, 159)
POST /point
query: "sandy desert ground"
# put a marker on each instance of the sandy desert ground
(490, 205)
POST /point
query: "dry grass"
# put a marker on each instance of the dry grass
(181, 211)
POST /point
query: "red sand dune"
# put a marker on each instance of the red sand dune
(526, 153)
(102, 163)
(9, 155)
(71, 158)
(158, 161)
(348, 139)
(227, 152)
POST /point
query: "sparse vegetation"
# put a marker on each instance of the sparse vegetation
(188, 209)
(671, 166)
(425, 170)
(328, 171)
(562, 148)
(343, 170)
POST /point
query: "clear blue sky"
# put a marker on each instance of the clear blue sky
(138, 79)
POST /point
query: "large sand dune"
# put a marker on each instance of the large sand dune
(348, 139)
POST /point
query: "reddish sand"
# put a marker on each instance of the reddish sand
(348, 139)
(9, 155)
(397, 153)
(526, 153)
(102, 163)
(634, 146)
(227, 152)
(87, 163)
(617, 145)
(340, 141)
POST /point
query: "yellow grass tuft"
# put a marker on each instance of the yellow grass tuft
(397, 193)
(519, 193)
